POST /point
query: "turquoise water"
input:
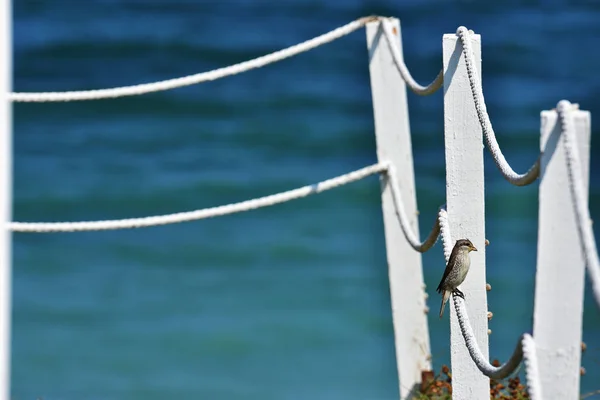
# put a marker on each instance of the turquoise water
(288, 302)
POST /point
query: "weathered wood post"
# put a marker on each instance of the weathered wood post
(466, 211)
(560, 274)
(6, 195)
(392, 133)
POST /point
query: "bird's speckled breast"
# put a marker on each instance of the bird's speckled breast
(465, 262)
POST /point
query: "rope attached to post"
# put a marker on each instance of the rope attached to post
(404, 72)
(409, 234)
(532, 372)
(43, 227)
(484, 119)
(525, 348)
(197, 78)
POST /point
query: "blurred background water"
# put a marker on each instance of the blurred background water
(288, 302)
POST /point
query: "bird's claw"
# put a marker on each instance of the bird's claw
(458, 293)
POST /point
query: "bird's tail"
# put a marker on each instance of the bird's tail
(445, 298)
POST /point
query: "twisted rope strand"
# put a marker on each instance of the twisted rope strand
(445, 232)
(404, 72)
(532, 372)
(484, 366)
(197, 78)
(484, 119)
(582, 212)
(409, 234)
(521, 351)
(203, 213)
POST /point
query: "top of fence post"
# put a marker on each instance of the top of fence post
(392, 133)
(466, 211)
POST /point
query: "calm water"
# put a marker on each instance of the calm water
(289, 302)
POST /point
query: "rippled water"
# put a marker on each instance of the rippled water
(289, 302)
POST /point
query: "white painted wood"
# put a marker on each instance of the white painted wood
(5, 195)
(466, 212)
(560, 274)
(392, 133)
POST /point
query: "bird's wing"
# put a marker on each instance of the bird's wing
(449, 266)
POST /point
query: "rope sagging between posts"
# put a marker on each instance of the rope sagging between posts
(129, 223)
(484, 119)
(409, 234)
(97, 94)
(463, 33)
(404, 72)
(582, 212)
(196, 78)
(43, 227)
(524, 349)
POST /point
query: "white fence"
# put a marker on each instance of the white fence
(564, 220)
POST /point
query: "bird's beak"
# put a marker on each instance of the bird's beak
(473, 248)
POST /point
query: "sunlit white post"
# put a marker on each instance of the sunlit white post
(392, 133)
(5, 194)
(466, 211)
(560, 274)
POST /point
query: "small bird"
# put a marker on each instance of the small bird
(456, 271)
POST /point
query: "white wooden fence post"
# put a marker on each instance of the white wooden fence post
(5, 195)
(392, 132)
(466, 211)
(560, 274)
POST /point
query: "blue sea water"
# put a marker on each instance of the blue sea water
(287, 302)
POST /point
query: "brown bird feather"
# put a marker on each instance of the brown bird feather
(452, 260)
(450, 266)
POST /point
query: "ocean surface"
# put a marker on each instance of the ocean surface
(286, 302)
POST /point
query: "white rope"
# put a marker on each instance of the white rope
(584, 222)
(445, 232)
(484, 119)
(483, 365)
(412, 84)
(203, 213)
(197, 78)
(534, 386)
(411, 236)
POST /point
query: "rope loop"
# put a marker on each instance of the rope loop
(488, 132)
(409, 234)
(401, 66)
